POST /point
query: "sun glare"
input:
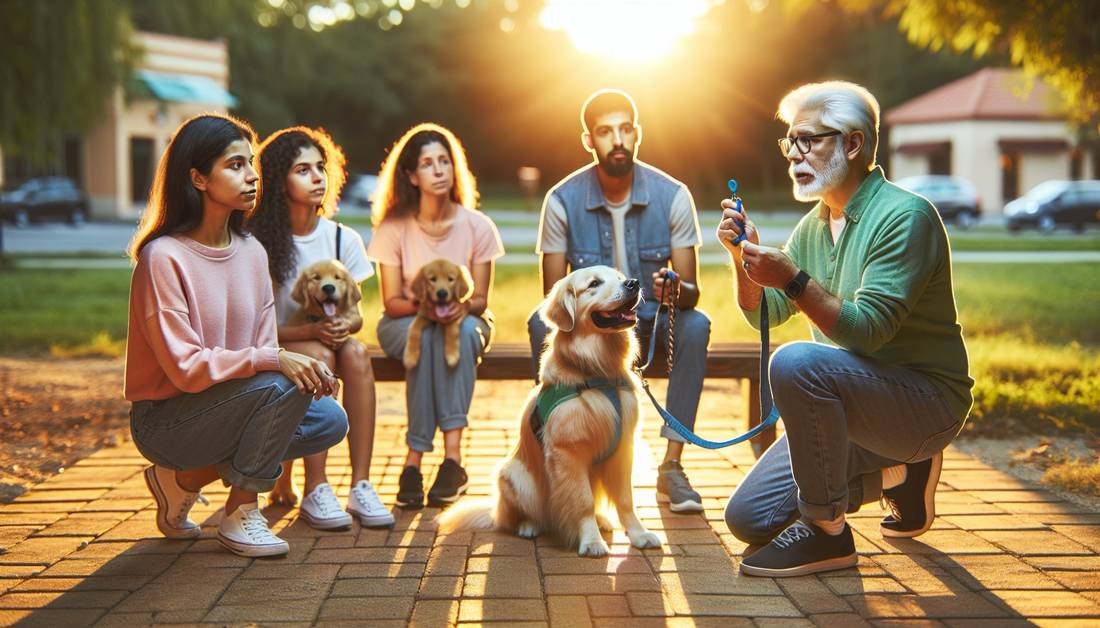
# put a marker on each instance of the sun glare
(624, 30)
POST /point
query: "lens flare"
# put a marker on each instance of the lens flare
(624, 30)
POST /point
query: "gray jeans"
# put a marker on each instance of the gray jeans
(244, 427)
(435, 394)
(685, 382)
(846, 418)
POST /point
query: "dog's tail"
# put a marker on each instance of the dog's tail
(468, 515)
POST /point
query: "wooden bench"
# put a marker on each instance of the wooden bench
(727, 360)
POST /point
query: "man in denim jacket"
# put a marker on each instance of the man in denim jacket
(626, 214)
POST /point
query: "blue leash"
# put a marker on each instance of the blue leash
(769, 414)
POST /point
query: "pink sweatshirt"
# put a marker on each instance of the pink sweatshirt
(198, 316)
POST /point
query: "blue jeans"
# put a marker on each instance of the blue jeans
(846, 418)
(689, 366)
(436, 396)
(244, 427)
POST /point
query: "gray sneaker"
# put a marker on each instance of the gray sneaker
(672, 481)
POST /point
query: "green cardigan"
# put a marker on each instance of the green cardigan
(892, 269)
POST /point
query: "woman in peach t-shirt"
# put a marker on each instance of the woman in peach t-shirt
(423, 213)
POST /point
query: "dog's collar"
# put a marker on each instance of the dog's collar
(553, 395)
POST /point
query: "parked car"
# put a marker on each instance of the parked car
(954, 197)
(44, 198)
(358, 194)
(1053, 204)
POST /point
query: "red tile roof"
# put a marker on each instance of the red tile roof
(988, 94)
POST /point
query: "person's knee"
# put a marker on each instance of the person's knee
(745, 522)
(792, 363)
(470, 332)
(332, 425)
(693, 329)
(354, 360)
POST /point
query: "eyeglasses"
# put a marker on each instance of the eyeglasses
(803, 142)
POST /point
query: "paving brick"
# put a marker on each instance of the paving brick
(1034, 604)
(718, 583)
(855, 584)
(91, 583)
(600, 584)
(65, 599)
(578, 565)
(502, 610)
(368, 555)
(446, 561)
(1034, 542)
(504, 585)
(285, 611)
(838, 620)
(42, 551)
(1087, 535)
(734, 605)
(568, 610)
(363, 587)
(939, 542)
(381, 570)
(715, 563)
(441, 587)
(1077, 580)
(649, 603)
(50, 617)
(1069, 563)
(995, 572)
(608, 606)
(432, 613)
(244, 592)
(811, 595)
(364, 609)
(916, 606)
(268, 570)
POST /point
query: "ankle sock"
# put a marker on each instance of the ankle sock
(832, 528)
(893, 476)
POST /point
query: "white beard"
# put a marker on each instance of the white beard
(832, 175)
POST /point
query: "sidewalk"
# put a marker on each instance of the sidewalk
(82, 549)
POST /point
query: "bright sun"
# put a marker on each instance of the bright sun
(624, 30)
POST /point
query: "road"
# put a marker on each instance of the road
(518, 231)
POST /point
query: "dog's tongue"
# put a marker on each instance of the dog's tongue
(329, 307)
(441, 311)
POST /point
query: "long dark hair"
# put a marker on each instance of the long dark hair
(270, 222)
(175, 206)
(397, 196)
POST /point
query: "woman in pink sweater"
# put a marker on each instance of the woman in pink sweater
(213, 396)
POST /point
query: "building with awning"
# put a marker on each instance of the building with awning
(996, 128)
(175, 78)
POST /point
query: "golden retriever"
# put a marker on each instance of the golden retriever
(438, 285)
(324, 290)
(560, 485)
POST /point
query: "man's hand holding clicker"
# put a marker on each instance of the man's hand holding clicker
(730, 228)
(767, 266)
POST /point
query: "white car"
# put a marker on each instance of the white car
(954, 197)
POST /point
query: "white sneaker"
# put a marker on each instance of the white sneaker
(245, 533)
(173, 503)
(363, 501)
(322, 511)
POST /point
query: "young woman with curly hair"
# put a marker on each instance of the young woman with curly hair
(303, 171)
(213, 396)
(425, 211)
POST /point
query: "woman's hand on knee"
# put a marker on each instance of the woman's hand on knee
(311, 376)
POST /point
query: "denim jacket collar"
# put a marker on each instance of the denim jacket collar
(639, 192)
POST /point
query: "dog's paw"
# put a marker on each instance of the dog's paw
(282, 496)
(603, 523)
(594, 549)
(410, 362)
(452, 359)
(645, 540)
(527, 530)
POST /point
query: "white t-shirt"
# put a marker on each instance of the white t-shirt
(683, 226)
(318, 246)
(836, 225)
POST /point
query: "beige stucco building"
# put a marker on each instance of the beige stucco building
(995, 128)
(176, 78)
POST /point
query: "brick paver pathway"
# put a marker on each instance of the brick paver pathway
(82, 549)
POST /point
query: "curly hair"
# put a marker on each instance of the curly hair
(397, 196)
(175, 206)
(270, 223)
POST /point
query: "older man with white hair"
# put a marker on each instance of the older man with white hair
(870, 405)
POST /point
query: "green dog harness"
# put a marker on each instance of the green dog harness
(551, 397)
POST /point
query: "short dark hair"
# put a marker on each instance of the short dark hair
(607, 101)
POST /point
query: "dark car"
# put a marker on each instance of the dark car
(1053, 204)
(955, 198)
(43, 199)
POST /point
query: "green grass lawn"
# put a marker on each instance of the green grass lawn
(1032, 330)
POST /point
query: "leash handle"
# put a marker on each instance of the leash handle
(732, 184)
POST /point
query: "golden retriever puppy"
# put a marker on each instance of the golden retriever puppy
(438, 285)
(563, 483)
(326, 290)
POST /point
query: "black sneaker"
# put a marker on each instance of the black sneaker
(912, 503)
(450, 483)
(410, 489)
(673, 482)
(803, 548)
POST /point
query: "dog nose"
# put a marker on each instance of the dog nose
(441, 294)
(328, 289)
(631, 285)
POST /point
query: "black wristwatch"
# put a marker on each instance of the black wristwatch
(794, 287)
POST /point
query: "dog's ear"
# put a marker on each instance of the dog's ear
(464, 285)
(298, 293)
(419, 286)
(561, 306)
(354, 293)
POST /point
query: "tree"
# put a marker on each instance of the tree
(1057, 40)
(62, 60)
